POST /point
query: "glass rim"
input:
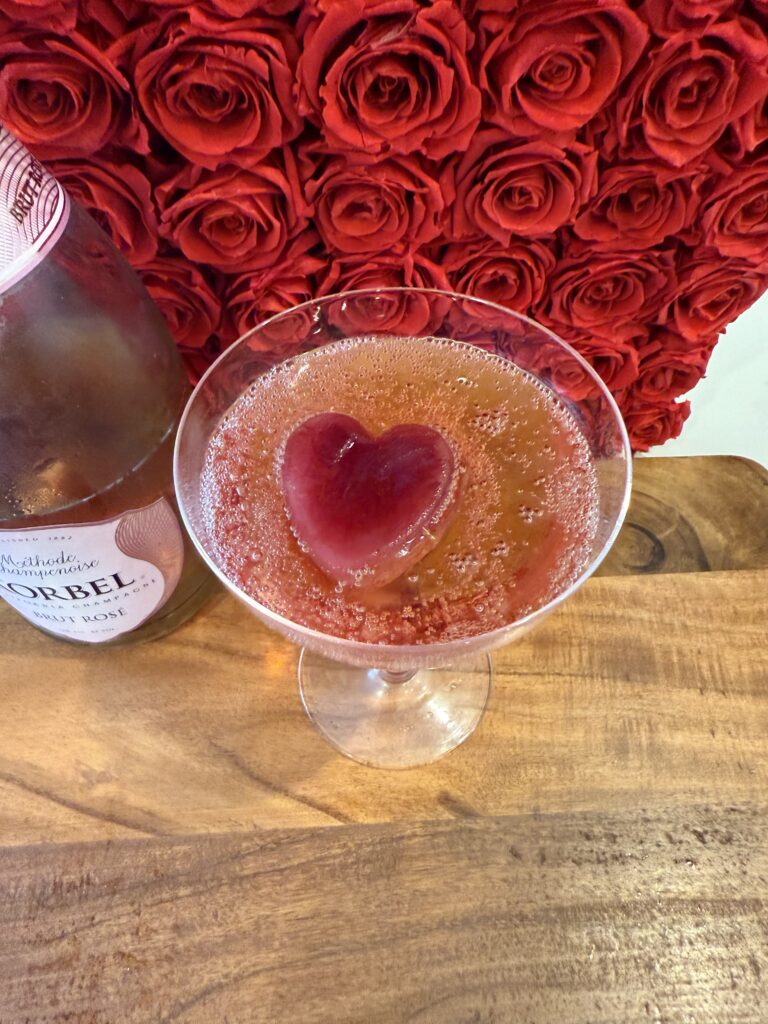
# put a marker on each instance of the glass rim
(486, 640)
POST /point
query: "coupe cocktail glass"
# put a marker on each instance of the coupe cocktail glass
(400, 704)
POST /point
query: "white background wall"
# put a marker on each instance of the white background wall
(729, 407)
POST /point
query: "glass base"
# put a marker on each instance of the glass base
(394, 719)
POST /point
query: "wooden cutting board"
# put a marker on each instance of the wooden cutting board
(176, 843)
(638, 688)
(693, 515)
(592, 918)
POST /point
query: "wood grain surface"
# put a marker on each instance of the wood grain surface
(638, 688)
(589, 918)
(597, 853)
(693, 514)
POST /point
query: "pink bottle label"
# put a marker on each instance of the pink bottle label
(93, 581)
(33, 210)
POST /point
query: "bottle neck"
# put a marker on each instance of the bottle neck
(34, 210)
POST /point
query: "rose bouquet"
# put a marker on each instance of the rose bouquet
(600, 165)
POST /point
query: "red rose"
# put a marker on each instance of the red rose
(63, 97)
(567, 375)
(197, 361)
(118, 196)
(652, 423)
(735, 215)
(185, 298)
(547, 68)
(474, 7)
(104, 21)
(375, 207)
(238, 8)
(632, 333)
(163, 164)
(402, 313)
(670, 365)
(513, 275)
(234, 219)
(752, 128)
(638, 206)
(692, 86)
(669, 16)
(217, 89)
(388, 76)
(255, 296)
(506, 188)
(615, 361)
(712, 292)
(598, 292)
(51, 15)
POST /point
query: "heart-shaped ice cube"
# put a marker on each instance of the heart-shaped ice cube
(366, 509)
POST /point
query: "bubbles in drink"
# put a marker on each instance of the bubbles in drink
(527, 510)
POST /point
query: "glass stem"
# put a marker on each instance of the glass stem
(394, 678)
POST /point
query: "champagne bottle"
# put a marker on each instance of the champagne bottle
(91, 392)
